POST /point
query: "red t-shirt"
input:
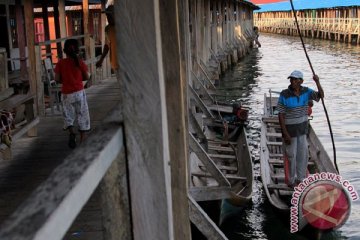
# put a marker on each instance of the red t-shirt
(71, 76)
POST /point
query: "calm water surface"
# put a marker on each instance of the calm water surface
(338, 66)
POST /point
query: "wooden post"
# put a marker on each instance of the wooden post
(176, 48)
(214, 36)
(39, 83)
(207, 39)
(33, 65)
(199, 33)
(45, 16)
(3, 70)
(85, 5)
(57, 28)
(8, 26)
(193, 35)
(92, 68)
(62, 20)
(144, 93)
(20, 38)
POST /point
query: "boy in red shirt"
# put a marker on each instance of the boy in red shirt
(71, 71)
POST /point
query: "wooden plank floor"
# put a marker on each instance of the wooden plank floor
(35, 158)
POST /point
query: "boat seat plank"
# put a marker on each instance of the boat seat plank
(219, 142)
(270, 119)
(220, 148)
(276, 155)
(274, 143)
(228, 176)
(276, 161)
(273, 134)
(222, 167)
(223, 156)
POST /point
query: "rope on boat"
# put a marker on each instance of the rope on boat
(312, 69)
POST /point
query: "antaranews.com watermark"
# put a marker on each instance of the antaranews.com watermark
(322, 200)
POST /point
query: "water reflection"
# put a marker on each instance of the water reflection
(337, 64)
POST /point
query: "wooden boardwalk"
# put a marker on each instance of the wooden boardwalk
(36, 157)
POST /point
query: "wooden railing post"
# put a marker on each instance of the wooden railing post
(39, 101)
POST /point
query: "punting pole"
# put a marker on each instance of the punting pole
(312, 69)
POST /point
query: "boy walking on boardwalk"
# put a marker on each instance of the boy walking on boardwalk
(293, 118)
(71, 71)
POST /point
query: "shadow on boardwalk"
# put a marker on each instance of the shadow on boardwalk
(36, 157)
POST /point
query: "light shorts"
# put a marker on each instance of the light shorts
(75, 108)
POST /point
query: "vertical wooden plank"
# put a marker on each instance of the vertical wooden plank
(207, 39)
(85, 5)
(92, 56)
(200, 33)
(45, 15)
(175, 74)
(193, 32)
(220, 23)
(30, 40)
(33, 65)
(8, 26)
(3, 70)
(145, 117)
(62, 20)
(20, 38)
(39, 83)
(214, 34)
(57, 28)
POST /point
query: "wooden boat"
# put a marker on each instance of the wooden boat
(220, 161)
(271, 157)
(223, 163)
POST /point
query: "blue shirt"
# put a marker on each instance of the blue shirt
(295, 109)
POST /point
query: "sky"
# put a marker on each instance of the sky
(284, 5)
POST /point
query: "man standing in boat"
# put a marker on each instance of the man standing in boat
(293, 118)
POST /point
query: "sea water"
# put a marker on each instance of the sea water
(338, 66)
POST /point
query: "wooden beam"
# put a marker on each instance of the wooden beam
(57, 28)
(4, 83)
(62, 18)
(175, 74)
(142, 80)
(196, 128)
(85, 6)
(30, 39)
(203, 222)
(20, 36)
(200, 103)
(45, 15)
(7, 10)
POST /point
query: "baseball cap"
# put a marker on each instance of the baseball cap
(296, 74)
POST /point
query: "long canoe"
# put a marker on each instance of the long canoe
(272, 157)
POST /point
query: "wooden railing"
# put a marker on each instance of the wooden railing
(335, 25)
(53, 206)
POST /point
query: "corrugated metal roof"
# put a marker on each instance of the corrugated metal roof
(275, 5)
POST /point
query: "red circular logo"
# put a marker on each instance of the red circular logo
(325, 205)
